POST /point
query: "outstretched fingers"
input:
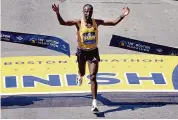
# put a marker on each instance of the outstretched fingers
(55, 8)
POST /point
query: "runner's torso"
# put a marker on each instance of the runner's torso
(87, 36)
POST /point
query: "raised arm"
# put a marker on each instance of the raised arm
(61, 20)
(114, 22)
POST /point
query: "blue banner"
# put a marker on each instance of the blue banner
(141, 46)
(44, 41)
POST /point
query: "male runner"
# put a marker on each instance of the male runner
(87, 50)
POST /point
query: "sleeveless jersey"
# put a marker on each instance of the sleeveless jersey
(87, 37)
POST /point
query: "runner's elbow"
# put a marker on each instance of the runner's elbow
(62, 23)
(113, 24)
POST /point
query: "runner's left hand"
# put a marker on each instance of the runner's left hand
(125, 11)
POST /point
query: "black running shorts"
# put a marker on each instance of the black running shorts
(90, 56)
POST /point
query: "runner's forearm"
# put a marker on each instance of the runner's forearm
(60, 19)
(119, 19)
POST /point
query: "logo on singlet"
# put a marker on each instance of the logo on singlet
(89, 38)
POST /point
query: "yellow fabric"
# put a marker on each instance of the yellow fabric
(87, 37)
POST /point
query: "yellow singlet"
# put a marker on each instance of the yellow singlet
(87, 37)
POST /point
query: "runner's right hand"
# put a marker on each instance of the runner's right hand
(55, 8)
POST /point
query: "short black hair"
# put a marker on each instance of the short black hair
(88, 5)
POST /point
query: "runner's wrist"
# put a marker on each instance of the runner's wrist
(122, 16)
(57, 13)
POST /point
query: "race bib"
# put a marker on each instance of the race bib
(89, 38)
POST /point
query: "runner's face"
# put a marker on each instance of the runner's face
(87, 11)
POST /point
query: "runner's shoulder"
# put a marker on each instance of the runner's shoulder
(78, 21)
(98, 21)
